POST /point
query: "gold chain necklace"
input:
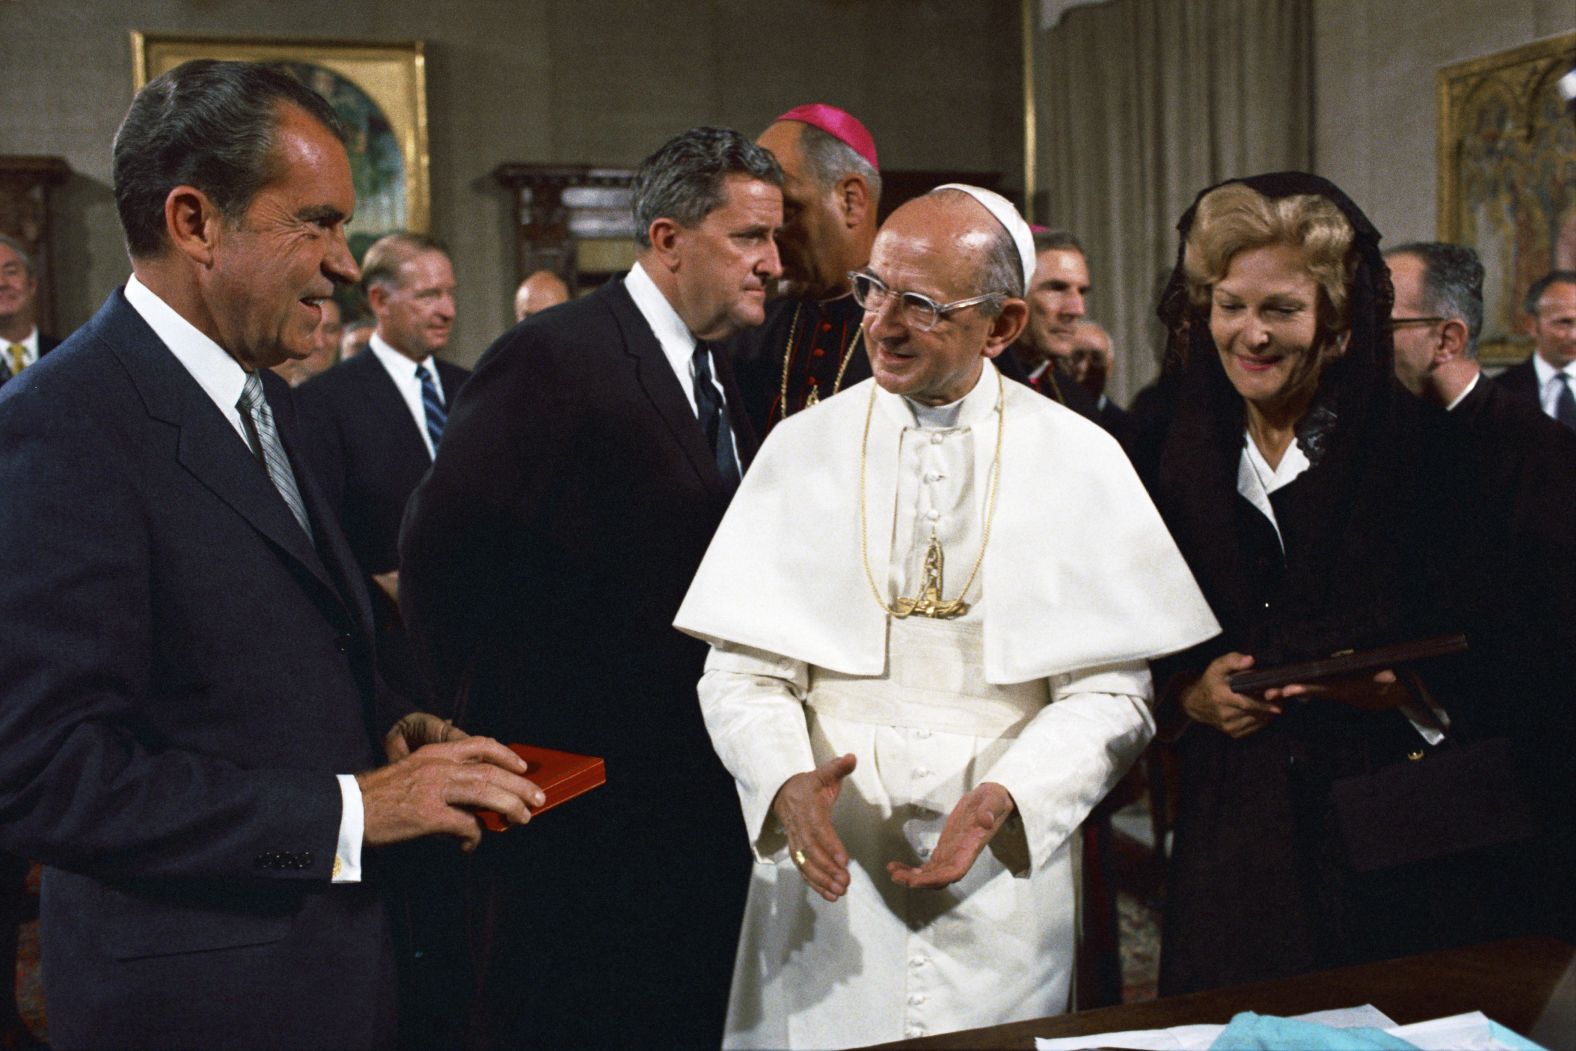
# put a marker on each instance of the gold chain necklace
(815, 394)
(929, 603)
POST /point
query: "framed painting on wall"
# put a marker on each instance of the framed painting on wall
(1507, 177)
(378, 90)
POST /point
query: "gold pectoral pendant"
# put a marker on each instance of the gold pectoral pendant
(930, 603)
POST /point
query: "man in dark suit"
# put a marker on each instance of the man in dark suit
(190, 730)
(1058, 291)
(542, 562)
(21, 344)
(374, 422)
(1511, 509)
(1547, 377)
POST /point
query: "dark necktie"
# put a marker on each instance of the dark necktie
(432, 405)
(1565, 404)
(713, 421)
(268, 449)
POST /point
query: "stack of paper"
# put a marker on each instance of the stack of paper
(1465, 1032)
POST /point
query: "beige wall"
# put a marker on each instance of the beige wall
(540, 81)
(1375, 106)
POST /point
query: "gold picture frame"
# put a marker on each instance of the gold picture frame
(1507, 177)
(379, 88)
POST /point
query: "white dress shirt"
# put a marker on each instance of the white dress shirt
(402, 371)
(221, 378)
(1549, 383)
(29, 346)
(677, 342)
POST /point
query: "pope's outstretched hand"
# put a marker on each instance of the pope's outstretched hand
(972, 824)
(804, 807)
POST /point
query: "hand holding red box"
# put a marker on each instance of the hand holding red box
(560, 775)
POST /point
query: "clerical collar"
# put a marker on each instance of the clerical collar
(974, 407)
(935, 417)
(1468, 389)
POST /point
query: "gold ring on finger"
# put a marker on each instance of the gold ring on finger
(799, 858)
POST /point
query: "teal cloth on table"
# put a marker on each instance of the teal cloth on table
(1510, 1038)
(1255, 1032)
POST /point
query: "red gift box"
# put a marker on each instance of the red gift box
(560, 775)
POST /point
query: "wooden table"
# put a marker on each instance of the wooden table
(1518, 983)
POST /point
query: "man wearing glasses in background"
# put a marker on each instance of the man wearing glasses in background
(890, 625)
(1516, 577)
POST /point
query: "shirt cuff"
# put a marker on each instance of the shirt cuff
(352, 828)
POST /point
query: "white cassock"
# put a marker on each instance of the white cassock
(1041, 687)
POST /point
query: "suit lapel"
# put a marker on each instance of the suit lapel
(208, 446)
(661, 385)
(385, 404)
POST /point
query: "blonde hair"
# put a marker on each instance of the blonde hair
(1236, 217)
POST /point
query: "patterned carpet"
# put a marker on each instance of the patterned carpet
(1140, 883)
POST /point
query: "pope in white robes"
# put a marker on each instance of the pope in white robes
(930, 607)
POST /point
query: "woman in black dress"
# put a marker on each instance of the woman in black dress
(1289, 480)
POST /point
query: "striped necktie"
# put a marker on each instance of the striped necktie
(270, 452)
(432, 405)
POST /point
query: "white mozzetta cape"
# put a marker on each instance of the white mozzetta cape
(1079, 572)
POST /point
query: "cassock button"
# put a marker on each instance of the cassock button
(818, 352)
(826, 326)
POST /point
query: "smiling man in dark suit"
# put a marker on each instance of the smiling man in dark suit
(543, 558)
(374, 423)
(1547, 379)
(190, 729)
(21, 343)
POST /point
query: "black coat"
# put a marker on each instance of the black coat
(1520, 381)
(1514, 574)
(1258, 885)
(821, 332)
(543, 561)
(184, 675)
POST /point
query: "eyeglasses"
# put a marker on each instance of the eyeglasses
(919, 312)
(1398, 322)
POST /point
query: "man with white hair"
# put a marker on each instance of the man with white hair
(918, 726)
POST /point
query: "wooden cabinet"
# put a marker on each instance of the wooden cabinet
(24, 214)
(574, 220)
